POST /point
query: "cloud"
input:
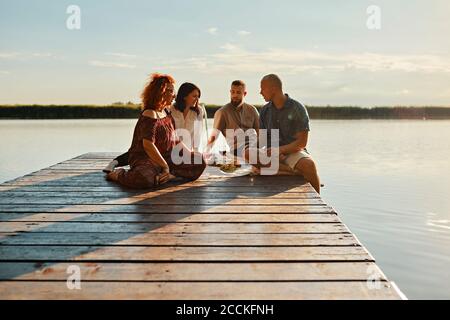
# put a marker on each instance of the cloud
(212, 31)
(26, 55)
(8, 55)
(244, 33)
(230, 47)
(118, 62)
(121, 55)
(109, 64)
(43, 55)
(407, 63)
(291, 61)
(4, 72)
(403, 92)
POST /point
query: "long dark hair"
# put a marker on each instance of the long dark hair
(184, 90)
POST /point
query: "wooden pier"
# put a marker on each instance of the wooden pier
(264, 237)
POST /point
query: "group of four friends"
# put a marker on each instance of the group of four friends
(165, 126)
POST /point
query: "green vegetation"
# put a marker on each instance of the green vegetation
(113, 111)
(379, 112)
(129, 110)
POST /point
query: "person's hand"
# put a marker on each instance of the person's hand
(207, 148)
(209, 158)
(165, 169)
(164, 176)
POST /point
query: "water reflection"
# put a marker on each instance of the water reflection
(389, 180)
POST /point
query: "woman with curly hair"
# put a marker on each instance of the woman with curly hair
(154, 138)
(188, 116)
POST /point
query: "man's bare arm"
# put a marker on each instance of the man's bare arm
(297, 145)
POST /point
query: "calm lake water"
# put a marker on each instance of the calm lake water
(389, 180)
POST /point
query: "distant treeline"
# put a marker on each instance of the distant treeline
(130, 111)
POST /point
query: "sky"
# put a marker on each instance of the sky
(324, 51)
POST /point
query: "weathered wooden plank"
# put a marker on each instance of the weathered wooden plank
(98, 155)
(77, 159)
(181, 253)
(155, 200)
(97, 179)
(209, 174)
(78, 167)
(169, 217)
(71, 182)
(191, 194)
(206, 190)
(81, 163)
(206, 271)
(165, 208)
(179, 239)
(143, 208)
(95, 182)
(174, 227)
(198, 290)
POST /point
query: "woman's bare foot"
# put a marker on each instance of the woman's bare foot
(114, 175)
(111, 166)
(255, 171)
(163, 178)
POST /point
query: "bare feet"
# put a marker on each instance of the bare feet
(114, 175)
(255, 171)
(111, 166)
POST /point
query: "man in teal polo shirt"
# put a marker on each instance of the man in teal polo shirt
(291, 119)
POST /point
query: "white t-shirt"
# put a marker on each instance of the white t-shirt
(193, 132)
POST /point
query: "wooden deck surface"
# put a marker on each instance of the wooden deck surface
(265, 237)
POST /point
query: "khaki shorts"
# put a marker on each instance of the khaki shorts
(292, 158)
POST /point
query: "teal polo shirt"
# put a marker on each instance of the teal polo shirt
(289, 120)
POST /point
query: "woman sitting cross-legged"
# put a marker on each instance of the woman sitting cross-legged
(188, 116)
(154, 138)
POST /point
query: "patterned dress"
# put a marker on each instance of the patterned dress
(143, 171)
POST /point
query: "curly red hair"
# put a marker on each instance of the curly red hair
(153, 93)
